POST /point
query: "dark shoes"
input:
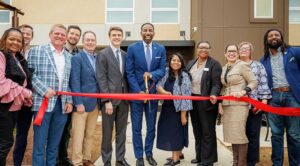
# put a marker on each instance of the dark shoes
(195, 161)
(203, 164)
(65, 162)
(181, 157)
(151, 160)
(107, 163)
(140, 162)
(172, 163)
(122, 163)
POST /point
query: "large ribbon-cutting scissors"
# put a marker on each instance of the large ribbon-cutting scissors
(147, 87)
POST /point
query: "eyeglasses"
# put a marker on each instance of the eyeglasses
(244, 49)
(231, 51)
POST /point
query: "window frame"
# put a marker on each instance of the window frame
(3, 11)
(255, 19)
(295, 9)
(165, 10)
(119, 10)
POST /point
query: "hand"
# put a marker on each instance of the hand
(68, 108)
(142, 92)
(50, 93)
(213, 99)
(80, 108)
(221, 111)
(256, 110)
(183, 120)
(147, 76)
(166, 93)
(108, 108)
(28, 102)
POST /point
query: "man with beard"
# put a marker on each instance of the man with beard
(25, 114)
(73, 36)
(145, 61)
(282, 64)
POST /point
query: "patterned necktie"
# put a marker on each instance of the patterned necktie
(118, 56)
(148, 56)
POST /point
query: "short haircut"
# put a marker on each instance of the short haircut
(74, 27)
(147, 23)
(115, 28)
(86, 32)
(204, 41)
(26, 26)
(57, 26)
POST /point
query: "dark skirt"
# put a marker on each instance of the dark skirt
(171, 135)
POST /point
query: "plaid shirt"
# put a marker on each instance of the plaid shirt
(41, 63)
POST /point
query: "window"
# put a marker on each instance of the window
(263, 11)
(119, 11)
(294, 11)
(165, 11)
(5, 16)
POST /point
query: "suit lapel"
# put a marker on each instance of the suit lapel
(154, 53)
(87, 62)
(50, 55)
(207, 66)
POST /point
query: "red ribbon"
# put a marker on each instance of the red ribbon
(133, 96)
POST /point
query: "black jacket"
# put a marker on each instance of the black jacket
(210, 81)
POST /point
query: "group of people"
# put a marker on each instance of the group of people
(28, 75)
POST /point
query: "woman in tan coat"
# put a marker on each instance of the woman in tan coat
(237, 79)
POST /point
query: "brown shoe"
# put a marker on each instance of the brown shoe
(88, 163)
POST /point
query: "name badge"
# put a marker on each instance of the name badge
(206, 69)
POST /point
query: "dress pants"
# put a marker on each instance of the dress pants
(136, 110)
(83, 129)
(23, 126)
(204, 129)
(47, 136)
(119, 118)
(253, 133)
(7, 124)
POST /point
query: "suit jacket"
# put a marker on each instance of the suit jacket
(44, 76)
(210, 81)
(109, 76)
(239, 77)
(83, 80)
(136, 66)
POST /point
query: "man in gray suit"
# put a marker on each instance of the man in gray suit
(110, 73)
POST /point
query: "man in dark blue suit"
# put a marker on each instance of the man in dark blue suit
(145, 60)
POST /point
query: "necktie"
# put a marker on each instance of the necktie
(148, 56)
(118, 56)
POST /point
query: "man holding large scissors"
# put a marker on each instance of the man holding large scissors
(145, 60)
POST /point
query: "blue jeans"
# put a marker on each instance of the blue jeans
(47, 136)
(279, 124)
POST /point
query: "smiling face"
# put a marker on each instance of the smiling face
(89, 42)
(203, 50)
(58, 37)
(14, 41)
(147, 33)
(73, 36)
(274, 40)
(28, 35)
(245, 52)
(175, 63)
(116, 37)
(231, 54)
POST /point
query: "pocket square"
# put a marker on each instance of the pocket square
(157, 57)
(292, 59)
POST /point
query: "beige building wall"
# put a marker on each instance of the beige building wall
(294, 34)
(90, 15)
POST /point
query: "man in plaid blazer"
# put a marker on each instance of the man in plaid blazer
(51, 66)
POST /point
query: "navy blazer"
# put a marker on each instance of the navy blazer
(83, 80)
(291, 62)
(136, 66)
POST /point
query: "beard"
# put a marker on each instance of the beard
(274, 45)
